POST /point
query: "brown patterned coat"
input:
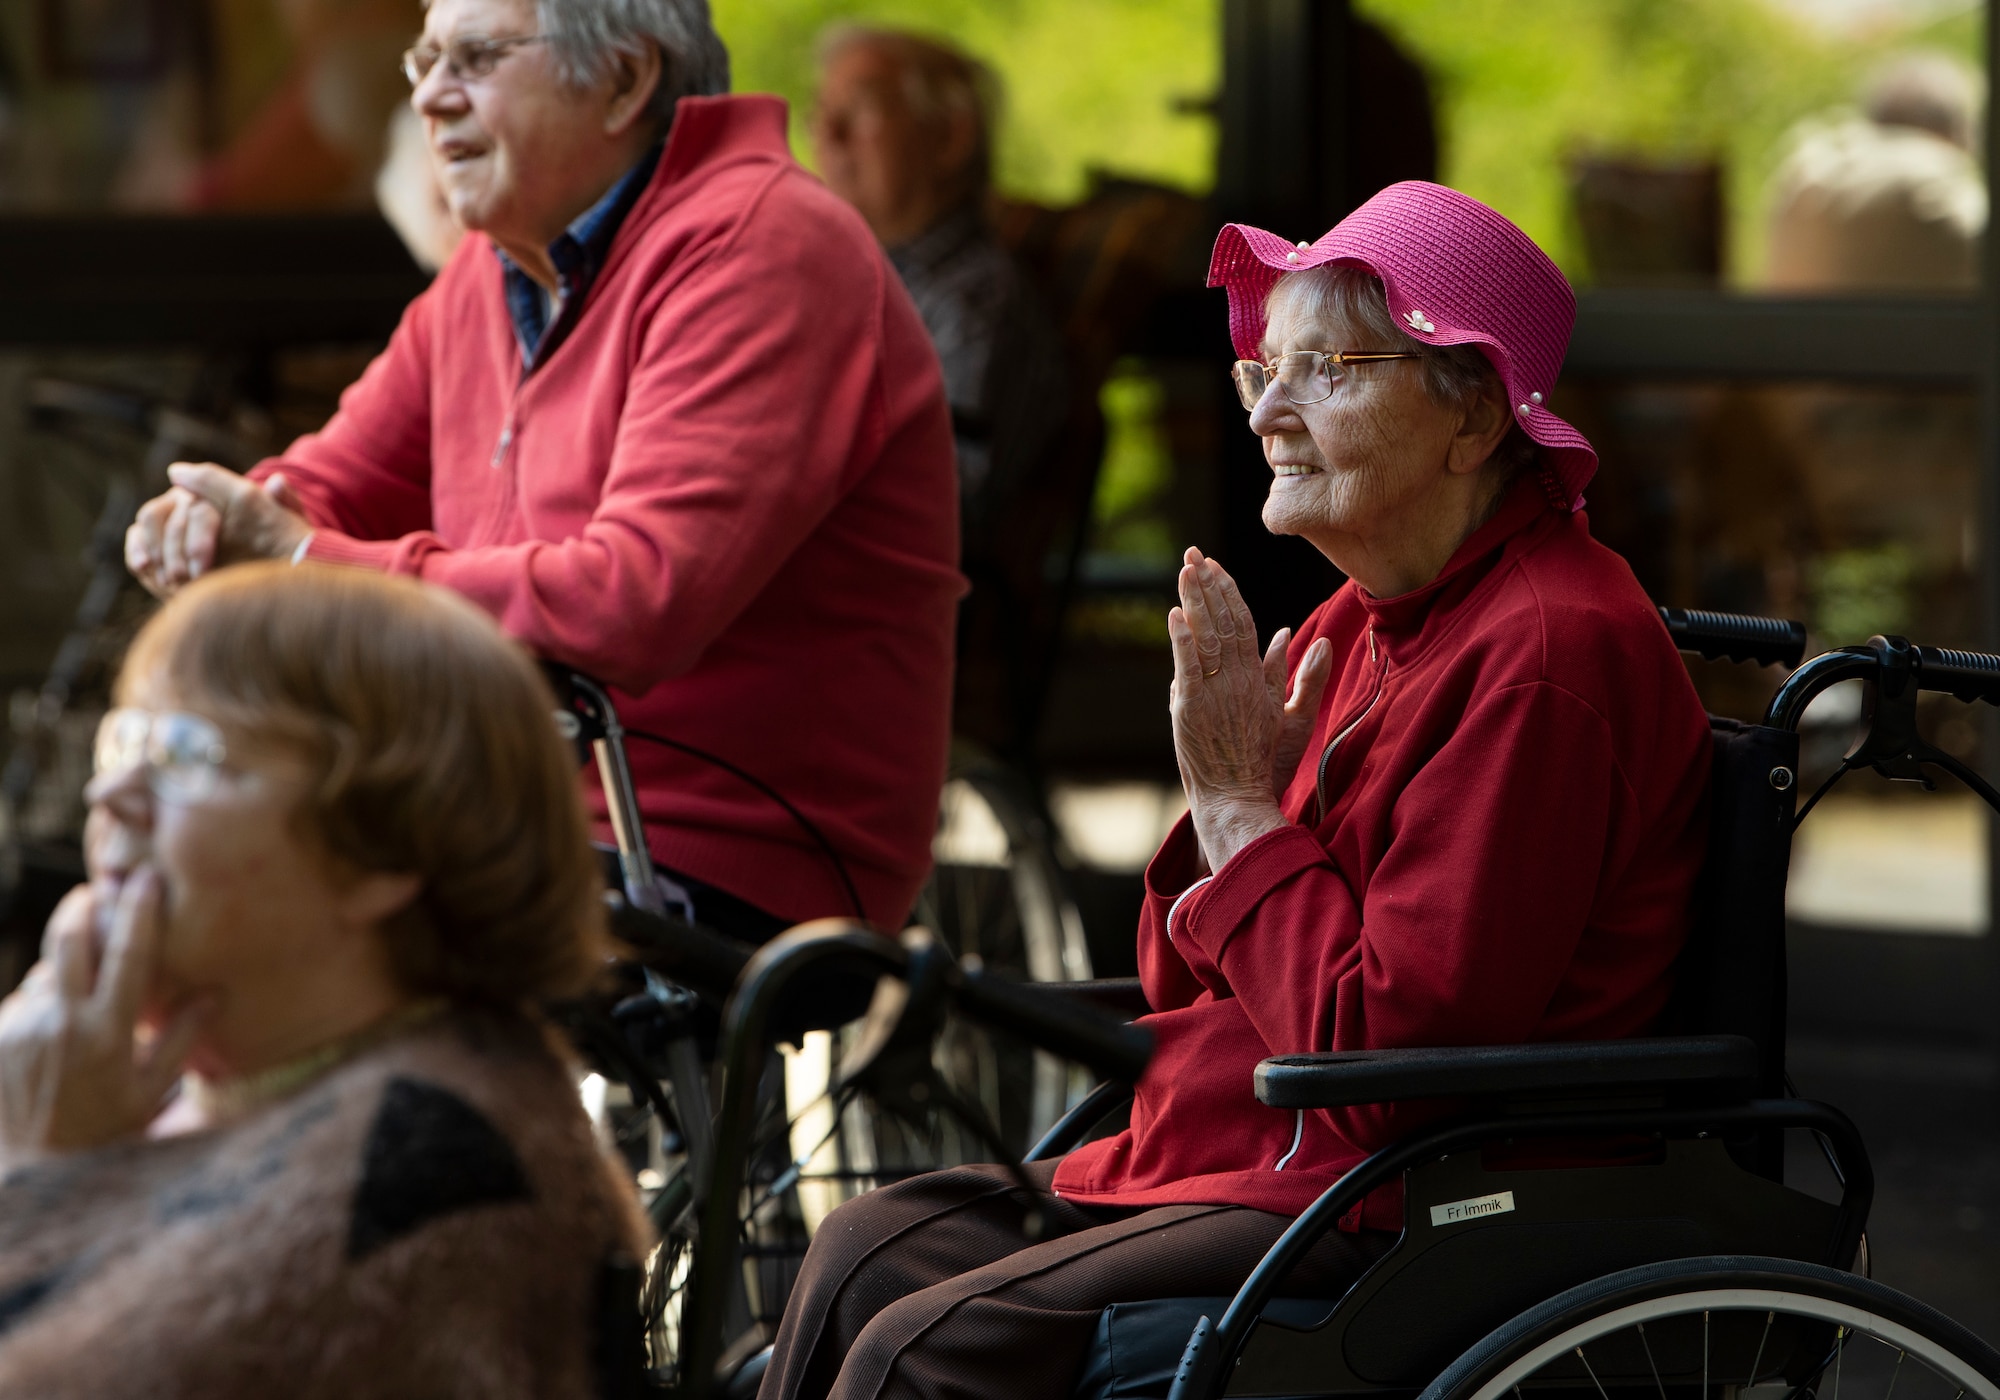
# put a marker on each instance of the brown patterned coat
(432, 1218)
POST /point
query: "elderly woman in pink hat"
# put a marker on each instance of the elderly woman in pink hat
(1464, 805)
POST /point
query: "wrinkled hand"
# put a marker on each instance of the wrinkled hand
(1236, 736)
(74, 1071)
(1302, 709)
(210, 516)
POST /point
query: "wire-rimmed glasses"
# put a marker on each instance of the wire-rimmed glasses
(467, 59)
(1306, 376)
(182, 753)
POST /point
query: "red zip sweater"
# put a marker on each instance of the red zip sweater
(729, 493)
(1515, 770)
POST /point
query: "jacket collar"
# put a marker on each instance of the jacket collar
(709, 130)
(1406, 617)
(707, 133)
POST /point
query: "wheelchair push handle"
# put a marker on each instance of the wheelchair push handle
(1111, 1048)
(1968, 675)
(697, 957)
(1719, 636)
(1896, 666)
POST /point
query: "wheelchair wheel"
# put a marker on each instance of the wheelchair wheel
(997, 892)
(1731, 1327)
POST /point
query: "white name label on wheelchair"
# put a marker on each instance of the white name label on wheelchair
(1458, 1212)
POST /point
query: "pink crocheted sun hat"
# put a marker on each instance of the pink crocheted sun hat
(1457, 273)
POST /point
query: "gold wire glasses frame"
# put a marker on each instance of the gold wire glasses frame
(464, 59)
(1306, 376)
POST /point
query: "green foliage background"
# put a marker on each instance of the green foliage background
(1521, 85)
(1090, 84)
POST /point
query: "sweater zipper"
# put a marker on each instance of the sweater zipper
(1381, 660)
(1298, 1136)
(510, 426)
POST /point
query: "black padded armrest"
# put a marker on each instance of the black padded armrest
(1121, 996)
(1384, 1076)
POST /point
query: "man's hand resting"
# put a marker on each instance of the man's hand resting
(210, 517)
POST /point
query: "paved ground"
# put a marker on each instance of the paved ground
(1931, 1117)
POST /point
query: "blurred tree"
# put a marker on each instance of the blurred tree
(1090, 84)
(1523, 88)
(1118, 85)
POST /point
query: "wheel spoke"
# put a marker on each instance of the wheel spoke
(1590, 1372)
(1651, 1364)
(1757, 1361)
(1704, 1354)
(1891, 1391)
(1839, 1346)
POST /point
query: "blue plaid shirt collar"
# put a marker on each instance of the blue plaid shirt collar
(578, 255)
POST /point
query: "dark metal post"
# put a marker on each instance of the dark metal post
(1989, 504)
(1281, 165)
(1283, 156)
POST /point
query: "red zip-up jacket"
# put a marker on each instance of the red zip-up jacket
(729, 492)
(1493, 838)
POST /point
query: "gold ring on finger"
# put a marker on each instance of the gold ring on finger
(1216, 672)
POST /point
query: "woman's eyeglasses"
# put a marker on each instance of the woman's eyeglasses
(1306, 376)
(464, 59)
(181, 753)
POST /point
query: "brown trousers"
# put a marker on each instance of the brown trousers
(930, 1288)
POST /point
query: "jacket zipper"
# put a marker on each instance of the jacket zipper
(1380, 661)
(1326, 755)
(1298, 1136)
(510, 426)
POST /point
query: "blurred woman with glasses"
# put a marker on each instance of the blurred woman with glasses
(278, 1115)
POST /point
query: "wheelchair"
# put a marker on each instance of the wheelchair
(996, 897)
(1675, 1264)
(1683, 1270)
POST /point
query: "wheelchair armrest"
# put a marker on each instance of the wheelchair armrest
(1331, 1080)
(1121, 996)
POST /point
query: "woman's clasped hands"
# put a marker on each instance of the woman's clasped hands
(1237, 735)
(77, 1070)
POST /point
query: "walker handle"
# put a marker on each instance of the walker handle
(1718, 636)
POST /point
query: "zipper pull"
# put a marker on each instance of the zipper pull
(506, 441)
(1370, 634)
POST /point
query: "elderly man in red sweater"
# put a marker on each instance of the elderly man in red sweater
(672, 421)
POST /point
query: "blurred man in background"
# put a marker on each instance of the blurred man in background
(902, 130)
(1887, 198)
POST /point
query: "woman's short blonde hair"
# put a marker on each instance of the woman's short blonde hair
(432, 747)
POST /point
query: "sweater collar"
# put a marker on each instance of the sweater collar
(706, 133)
(707, 130)
(1406, 615)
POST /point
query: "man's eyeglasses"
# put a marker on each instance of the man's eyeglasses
(1306, 376)
(182, 753)
(464, 59)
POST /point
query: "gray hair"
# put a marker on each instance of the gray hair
(1931, 91)
(584, 37)
(1341, 299)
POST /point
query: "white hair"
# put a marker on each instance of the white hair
(1931, 91)
(585, 36)
(1343, 300)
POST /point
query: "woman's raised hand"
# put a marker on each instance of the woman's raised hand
(73, 1071)
(1236, 736)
